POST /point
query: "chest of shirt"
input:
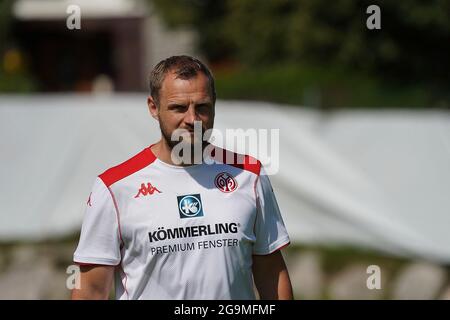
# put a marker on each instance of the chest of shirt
(154, 205)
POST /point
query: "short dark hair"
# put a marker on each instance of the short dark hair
(185, 67)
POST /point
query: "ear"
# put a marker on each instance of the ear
(152, 107)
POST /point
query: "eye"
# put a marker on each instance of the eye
(203, 108)
(177, 107)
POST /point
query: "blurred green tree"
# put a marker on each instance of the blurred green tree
(412, 46)
(5, 22)
(14, 76)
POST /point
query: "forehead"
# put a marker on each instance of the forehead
(175, 89)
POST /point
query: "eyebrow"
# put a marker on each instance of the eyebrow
(200, 103)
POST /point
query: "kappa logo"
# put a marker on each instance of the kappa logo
(225, 182)
(190, 206)
(146, 190)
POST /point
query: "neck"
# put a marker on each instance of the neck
(164, 153)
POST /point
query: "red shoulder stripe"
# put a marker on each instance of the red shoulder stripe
(132, 165)
(244, 162)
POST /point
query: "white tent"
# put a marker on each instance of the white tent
(376, 179)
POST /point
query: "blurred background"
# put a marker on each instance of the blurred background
(364, 150)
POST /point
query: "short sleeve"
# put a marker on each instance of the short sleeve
(270, 231)
(99, 240)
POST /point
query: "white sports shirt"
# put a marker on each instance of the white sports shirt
(181, 232)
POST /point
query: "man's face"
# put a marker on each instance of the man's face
(181, 102)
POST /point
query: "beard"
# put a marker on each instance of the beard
(167, 136)
(188, 142)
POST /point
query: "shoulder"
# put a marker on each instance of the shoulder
(128, 167)
(237, 160)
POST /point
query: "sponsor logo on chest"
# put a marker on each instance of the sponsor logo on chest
(190, 206)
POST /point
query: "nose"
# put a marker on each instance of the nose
(191, 116)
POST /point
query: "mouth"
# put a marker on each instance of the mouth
(192, 131)
(192, 134)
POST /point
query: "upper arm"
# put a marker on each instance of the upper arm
(271, 276)
(95, 282)
(269, 229)
(100, 238)
(268, 265)
(98, 250)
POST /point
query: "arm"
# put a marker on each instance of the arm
(95, 283)
(271, 277)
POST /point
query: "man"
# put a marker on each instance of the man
(167, 229)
